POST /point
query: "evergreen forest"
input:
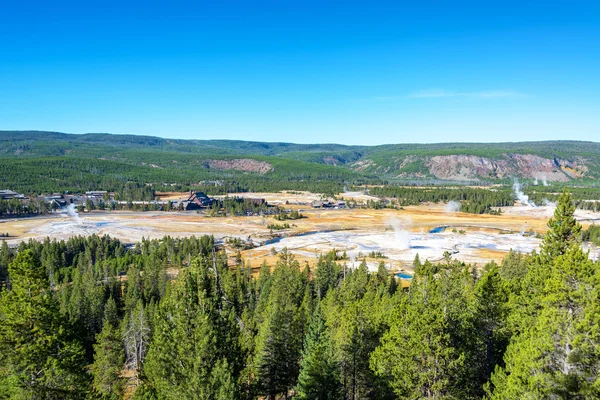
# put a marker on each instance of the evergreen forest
(92, 318)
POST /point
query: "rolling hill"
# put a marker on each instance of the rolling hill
(33, 161)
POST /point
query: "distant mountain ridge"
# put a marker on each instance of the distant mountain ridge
(560, 161)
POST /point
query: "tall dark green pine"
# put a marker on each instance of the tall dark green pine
(558, 355)
(319, 373)
(417, 264)
(40, 357)
(491, 293)
(555, 350)
(133, 288)
(109, 356)
(85, 307)
(194, 345)
(426, 352)
(563, 231)
(353, 316)
(392, 285)
(382, 274)
(154, 280)
(279, 339)
(327, 275)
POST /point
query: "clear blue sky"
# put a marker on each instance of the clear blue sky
(350, 72)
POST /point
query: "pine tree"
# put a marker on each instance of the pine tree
(491, 293)
(109, 357)
(154, 280)
(194, 350)
(514, 269)
(382, 274)
(392, 285)
(354, 318)
(356, 284)
(564, 230)
(319, 373)
(279, 339)
(40, 359)
(327, 274)
(134, 291)
(425, 352)
(559, 355)
(277, 351)
(417, 264)
(85, 307)
(555, 350)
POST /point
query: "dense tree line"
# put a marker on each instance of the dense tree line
(240, 206)
(19, 208)
(585, 198)
(525, 329)
(588, 205)
(481, 200)
(476, 201)
(134, 192)
(130, 176)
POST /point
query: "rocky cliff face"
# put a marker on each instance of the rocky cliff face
(241, 164)
(459, 167)
(470, 167)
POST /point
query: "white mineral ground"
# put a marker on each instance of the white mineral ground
(477, 238)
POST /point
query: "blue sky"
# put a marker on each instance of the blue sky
(367, 72)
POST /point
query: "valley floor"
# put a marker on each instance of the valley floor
(399, 235)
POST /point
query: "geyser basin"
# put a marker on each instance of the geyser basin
(476, 247)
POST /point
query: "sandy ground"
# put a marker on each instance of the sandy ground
(271, 198)
(357, 196)
(292, 197)
(398, 234)
(131, 226)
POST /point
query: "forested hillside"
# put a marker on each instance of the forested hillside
(52, 162)
(35, 162)
(72, 326)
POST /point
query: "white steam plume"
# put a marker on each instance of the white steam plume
(453, 206)
(73, 213)
(549, 203)
(402, 235)
(522, 197)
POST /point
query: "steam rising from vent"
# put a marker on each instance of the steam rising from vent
(549, 203)
(522, 197)
(537, 179)
(73, 213)
(402, 235)
(453, 206)
(544, 181)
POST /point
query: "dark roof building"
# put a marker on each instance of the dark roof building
(322, 204)
(9, 194)
(197, 200)
(96, 193)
